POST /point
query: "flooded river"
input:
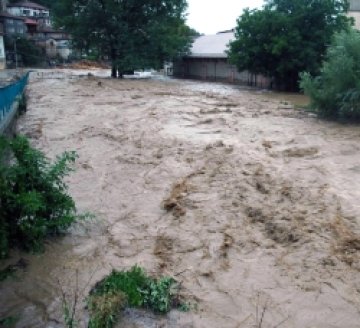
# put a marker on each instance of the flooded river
(266, 215)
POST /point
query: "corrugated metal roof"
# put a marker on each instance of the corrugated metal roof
(211, 46)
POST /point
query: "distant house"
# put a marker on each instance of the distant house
(36, 12)
(2, 48)
(33, 21)
(208, 60)
(354, 12)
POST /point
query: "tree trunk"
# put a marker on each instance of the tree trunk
(113, 71)
(113, 65)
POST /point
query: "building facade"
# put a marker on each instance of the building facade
(13, 25)
(208, 60)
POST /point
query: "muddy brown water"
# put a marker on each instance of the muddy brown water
(251, 204)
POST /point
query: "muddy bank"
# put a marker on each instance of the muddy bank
(251, 204)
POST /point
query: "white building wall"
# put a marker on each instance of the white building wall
(64, 53)
(356, 16)
(2, 53)
(28, 12)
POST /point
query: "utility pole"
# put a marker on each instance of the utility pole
(15, 51)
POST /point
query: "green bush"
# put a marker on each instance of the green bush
(335, 92)
(133, 288)
(34, 202)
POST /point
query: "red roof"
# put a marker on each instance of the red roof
(28, 4)
(29, 21)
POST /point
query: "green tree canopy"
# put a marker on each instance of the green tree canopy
(132, 33)
(287, 37)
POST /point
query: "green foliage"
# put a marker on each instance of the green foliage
(34, 202)
(131, 283)
(287, 37)
(133, 34)
(335, 92)
(159, 293)
(9, 322)
(133, 288)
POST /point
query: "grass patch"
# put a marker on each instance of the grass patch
(132, 288)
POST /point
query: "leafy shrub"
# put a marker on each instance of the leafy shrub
(335, 92)
(34, 202)
(158, 295)
(133, 288)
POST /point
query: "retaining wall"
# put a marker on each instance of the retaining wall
(10, 96)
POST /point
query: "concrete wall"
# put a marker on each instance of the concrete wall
(2, 53)
(215, 70)
(356, 16)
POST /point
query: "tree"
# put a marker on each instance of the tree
(287, 37)
(27, 51)
(335, 92)
(132, 33)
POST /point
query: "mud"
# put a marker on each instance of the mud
(247, 201)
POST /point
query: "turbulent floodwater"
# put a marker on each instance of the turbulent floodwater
(264, 215)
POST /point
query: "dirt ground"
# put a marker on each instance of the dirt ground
(251, 204)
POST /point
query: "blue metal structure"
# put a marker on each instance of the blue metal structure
(8, 96)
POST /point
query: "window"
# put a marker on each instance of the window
(26, 12)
